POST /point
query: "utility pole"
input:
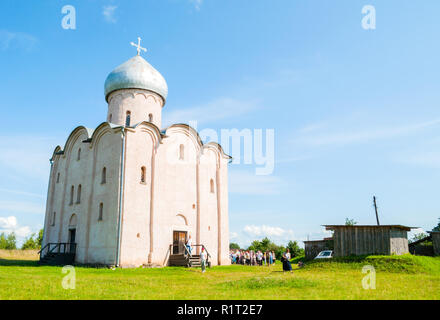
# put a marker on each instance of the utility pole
(375, 208)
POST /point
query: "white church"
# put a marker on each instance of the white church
(130, 192)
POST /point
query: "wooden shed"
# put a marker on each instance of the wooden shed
(313, 247)
(369, 239)
(435, 235)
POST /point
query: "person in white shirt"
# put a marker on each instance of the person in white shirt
(203, 258)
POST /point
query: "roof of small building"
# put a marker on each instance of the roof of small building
(395, 226)
(320, 240)
(136, 73)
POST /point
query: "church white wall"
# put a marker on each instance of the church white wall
(102, 238)
(175, 193)
(223, 175)
(140, 104)
(135, 241)
(96, 241)
(208, 204)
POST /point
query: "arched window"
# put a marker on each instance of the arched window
(104, 175)
(101, 211)
(212, 185)
(182, 152)
(53, 218)
(143, 171)
(150, 117)
(72, 190)
(78, 195)
(127, 119)
(79, 154)
(110, 118)
(58, 177)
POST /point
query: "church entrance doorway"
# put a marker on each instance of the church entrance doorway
(72, 235)
(179, 239)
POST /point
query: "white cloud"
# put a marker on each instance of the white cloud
(243, 182)
(212, 111)
(109, 13)
(16, 40)
(233, 235)
(266, 231)
(10, 224)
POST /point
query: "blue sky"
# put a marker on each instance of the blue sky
(355, 112)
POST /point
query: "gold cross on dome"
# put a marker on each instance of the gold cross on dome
(138, 46)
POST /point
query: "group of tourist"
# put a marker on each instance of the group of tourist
(259, 258)
(252, 258)
(246, 257)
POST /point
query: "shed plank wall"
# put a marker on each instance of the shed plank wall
(369, 240)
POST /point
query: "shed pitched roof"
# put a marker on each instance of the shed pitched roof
(395, 226)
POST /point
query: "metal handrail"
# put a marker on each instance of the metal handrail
(58, 245)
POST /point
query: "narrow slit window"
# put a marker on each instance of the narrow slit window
(79, 154)
(110, 118)
(101, 211)
(58, 177)
(143, 171)
(182, 152)
(53, 218)
(127, 119)
(72, 191)
(104, 175)
(212, 185)
(78, 195)
(150, 117)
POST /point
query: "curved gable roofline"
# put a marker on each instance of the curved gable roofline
(190, 129)
(194, 132)
(151, 125)
(219, 148)
(89, 132)
(56, 152)
(101, 127)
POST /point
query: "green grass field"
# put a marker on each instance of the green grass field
(403, 277)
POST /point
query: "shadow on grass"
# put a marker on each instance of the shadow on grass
(18, 263)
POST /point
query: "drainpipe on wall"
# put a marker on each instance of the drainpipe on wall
(121, 191)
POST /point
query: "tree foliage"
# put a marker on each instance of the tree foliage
(350, 222)
(417, 237)
(234, 246)
(294, 249)
(437, 228)
(8, 242)
(267, 245)
(34, 241)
